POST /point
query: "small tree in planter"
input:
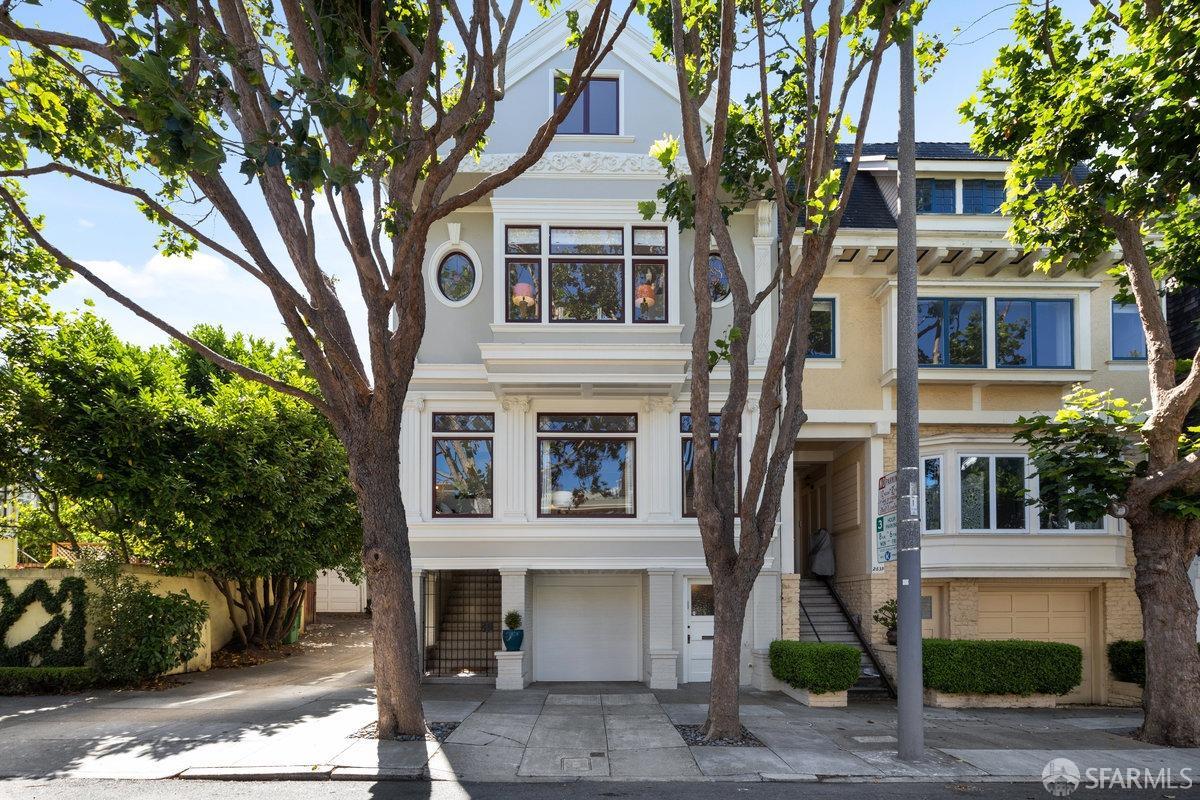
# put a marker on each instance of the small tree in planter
(887, 615)
(513, 636)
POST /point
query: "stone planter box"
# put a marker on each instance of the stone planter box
(937, 699)
(805, 697)
(1124, 693)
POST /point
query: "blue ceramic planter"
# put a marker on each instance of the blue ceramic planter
(512, 639)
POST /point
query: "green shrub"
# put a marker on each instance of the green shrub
(46, 680)
(816, 666)
(59, 562)
(969, 666)
(512, 620)
(138, 634)
(1127, 660)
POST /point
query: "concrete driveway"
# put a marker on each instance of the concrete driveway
(297, 718)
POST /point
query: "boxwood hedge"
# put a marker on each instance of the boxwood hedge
(1127, 660)
(45, 680)
(816, 666)
(968, 666)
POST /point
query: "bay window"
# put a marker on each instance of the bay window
(931, 491)
(462, 465)
(1035, 333)
(587, 291)
(586, 465)
(950, 332)
(992, 493)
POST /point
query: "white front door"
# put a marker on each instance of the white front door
(700, 630)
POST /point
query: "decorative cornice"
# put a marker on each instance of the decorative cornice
(581, 162)
(658, 404)
(414, 402)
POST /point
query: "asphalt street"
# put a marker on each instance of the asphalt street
(581, 790)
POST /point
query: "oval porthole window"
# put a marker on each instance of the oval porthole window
(456, 277)
(718, 278)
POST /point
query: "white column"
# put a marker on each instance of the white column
(764, 261)
(418, 595)
(764, 609)
(516, 476)
(657, 484)
(660, 634)
(513, 669)
(411, 463)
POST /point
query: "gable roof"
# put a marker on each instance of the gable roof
(549, 38)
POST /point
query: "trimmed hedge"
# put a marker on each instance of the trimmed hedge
(1127, 660)
(816, 666)
(970, 666)
(46, 680)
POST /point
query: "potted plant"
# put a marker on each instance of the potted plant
(514, 635)
(885, 615)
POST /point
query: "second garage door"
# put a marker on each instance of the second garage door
(587, 628)
(1048, 615)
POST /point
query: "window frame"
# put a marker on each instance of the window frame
(666, 289)
(536, 262)
(621, 318)
(508, 252)
(436, 436)
(992, 497)
(833, 337)
(1033, 301)
(941, 528)
(629, 437)
(996, 212)
(945, 300)
(475, 277)
(551, 228)
(714, 433)
(953, 195)
(633, 230)
(583, 98)
(1112, 333)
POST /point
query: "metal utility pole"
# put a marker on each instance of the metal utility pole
(909, 688)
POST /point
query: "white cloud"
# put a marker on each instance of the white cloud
(167, 275)
(86, 223)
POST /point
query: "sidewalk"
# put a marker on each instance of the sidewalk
(218, 729)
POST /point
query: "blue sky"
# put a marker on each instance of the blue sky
(111, 237)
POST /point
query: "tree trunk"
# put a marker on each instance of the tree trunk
(729, 599)
(387, 559)
(1165, 547)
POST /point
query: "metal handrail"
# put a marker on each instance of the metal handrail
(811, 624)
(862, 638)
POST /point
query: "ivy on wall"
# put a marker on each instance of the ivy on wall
(67, 607)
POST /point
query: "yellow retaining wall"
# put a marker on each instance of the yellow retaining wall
(217, 631)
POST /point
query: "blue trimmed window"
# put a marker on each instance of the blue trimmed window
(950, 332)
(982, 196)
(821, 340)
(1128, 336)
(935, 196)
(1037, 334)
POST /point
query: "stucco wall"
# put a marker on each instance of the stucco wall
(216, 632)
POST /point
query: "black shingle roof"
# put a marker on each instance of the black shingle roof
(947, 151)
(867, 207)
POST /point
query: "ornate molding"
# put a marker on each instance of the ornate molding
(658, 404)
(414, 402)
(586, 162)
(514, 403)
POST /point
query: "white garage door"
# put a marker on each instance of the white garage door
(587, 629)
(1051, 615)
(338, 596)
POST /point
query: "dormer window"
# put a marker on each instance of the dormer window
(596, 112)
(935, 196)
(982, 196)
